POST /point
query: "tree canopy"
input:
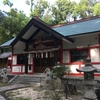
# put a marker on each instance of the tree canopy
(62, 10)
(97, 9)
(11, 23)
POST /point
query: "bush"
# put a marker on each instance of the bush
(60, 70)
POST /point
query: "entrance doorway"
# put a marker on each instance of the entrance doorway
(44, 60)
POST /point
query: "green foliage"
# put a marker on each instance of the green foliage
(97, 9)
(18, 99)
(12, 96)
(3, 84)
(39, 8)
(55, 96)
(60, 70)
(48, 19)
(61, 10)
(11, 23)
(30, 2)
(84, 9)
(7, 2)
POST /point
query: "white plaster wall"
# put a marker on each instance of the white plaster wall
(23, 69)
(82, 41)
(41, 34)
(95, 56)
(66, 57)
(14, 61)
(73, 68)
(97, 66)
(31, 69)
(16, 69)
(30, 59)
(19, 48)
(30, 31)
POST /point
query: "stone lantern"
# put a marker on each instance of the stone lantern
(88, 81)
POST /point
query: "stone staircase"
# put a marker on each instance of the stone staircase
(28, 79)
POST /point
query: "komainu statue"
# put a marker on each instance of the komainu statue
(4, 75)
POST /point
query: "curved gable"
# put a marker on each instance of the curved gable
(33, 28)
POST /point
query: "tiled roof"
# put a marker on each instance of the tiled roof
(7, 43)
(87, 26)
(5, 55)
(80, 27)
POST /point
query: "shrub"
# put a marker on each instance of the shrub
(60, 70)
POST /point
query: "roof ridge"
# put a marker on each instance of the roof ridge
(76, 21)
(38, 19)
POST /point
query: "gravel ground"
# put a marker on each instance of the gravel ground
(38, 93)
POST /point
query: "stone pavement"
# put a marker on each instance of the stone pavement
(2, 98)
(16, 86)
(10, 87)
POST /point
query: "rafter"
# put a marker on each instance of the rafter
(31, 37)
(23, 40)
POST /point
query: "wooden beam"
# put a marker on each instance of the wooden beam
(44, 40)
(42, 29)
(47, 41)
(31, 37)
(23, 40)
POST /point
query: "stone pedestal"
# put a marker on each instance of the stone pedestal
(89, 93)
(59, 84)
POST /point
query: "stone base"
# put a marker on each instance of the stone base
(90, 95)
(58, 84)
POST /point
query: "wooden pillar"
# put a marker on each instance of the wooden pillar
(26, 60)
(26, 63)
(56, 52)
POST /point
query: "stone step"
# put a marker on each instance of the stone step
(18, 81)
(28, 79)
